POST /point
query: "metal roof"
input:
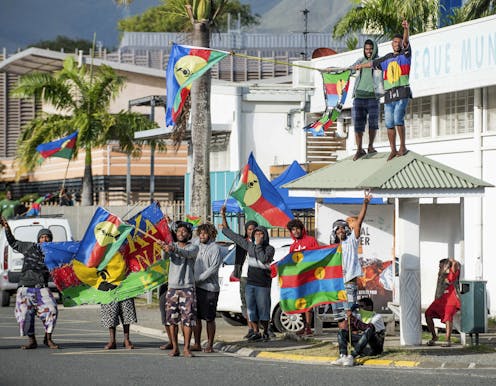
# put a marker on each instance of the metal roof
(412, 173)
(43, 60)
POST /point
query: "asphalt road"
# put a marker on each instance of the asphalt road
(82, 361)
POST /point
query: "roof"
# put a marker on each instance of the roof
(43, 60)
(409, 175)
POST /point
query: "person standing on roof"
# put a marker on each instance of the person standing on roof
(368, 90)
(302, 241)
(33, 295)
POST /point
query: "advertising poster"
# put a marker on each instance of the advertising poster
(376, 248)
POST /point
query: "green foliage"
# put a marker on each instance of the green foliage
(84, 95)
(173, 17)
(64, 43)
(384, 17)
(473, 9)
(352, 42)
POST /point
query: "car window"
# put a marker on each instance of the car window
(230, 258)
(59, 232)
(27, 232)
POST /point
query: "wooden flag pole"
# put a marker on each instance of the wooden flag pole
(232, 186)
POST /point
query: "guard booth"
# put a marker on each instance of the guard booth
(474, 308)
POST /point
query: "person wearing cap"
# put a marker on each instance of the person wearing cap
(348, 236)
(180, 306)
(33, 295)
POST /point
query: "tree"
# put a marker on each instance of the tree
(201, 15)
(473, 9)
(160, 19)
(384, 17)
(64, 43)
(83, 94)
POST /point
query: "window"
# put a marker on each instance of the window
(456, 113)
(417, 120)
(491, 108)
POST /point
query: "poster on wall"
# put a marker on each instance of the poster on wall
(375, 251)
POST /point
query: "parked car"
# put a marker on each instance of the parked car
(229, 304)
(12, 261)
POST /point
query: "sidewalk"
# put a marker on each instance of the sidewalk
(323, 348)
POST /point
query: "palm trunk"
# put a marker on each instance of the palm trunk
(201, 131)
(87, 194)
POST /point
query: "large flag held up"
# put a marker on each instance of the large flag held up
(335, 91)
(259, 199)
(186, 63)
(102, 239)
(135, 269)
(310, 278)
(62, 148)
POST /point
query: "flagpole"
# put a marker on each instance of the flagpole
(232, 186)
(144, 233)
(65, 176)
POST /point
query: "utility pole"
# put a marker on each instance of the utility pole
(305, 31)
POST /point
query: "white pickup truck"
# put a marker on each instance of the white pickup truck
(11, 261)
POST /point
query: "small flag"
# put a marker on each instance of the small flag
(259, 199)
(193, 220)
(335, 92)
(102, 239)
(310, 278)
(186, 64)
(35, 208)
(62, 148)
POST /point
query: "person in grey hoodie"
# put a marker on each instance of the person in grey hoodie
(368, 90)
(260, 256)
(180, 304)
(206, 269)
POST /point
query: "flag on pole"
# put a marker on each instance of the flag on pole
(259, 199)
(35, 208)
(138, 266)
(102, 239)
(186, 64)
(310, 278)
(335, 92)
(193, 220)
(62, 148)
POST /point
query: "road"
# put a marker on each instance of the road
(82, 361)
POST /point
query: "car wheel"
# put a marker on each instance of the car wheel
(233, 319)
(5, 298)
(284, 322)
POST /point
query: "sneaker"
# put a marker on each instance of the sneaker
(349, 361)
(340, 361)
(255, 337)
(250, 333)
(265, 337)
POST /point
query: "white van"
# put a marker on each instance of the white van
(11, 261)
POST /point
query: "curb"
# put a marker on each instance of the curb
(245, 352)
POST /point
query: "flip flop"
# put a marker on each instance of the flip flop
(359, 154)
(208, 349)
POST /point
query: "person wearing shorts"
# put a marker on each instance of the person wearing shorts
(368, 90)
(207, 289)
(180, 302)
(395, 67)
(118, 312)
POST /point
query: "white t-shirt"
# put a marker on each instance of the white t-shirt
(244, 268)
(351, 264)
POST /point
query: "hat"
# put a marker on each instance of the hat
(45, 232)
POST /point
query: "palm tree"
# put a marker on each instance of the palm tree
(384, 17)
(83, 96)
(198, 16)
(473, 9)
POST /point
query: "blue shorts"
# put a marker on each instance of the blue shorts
(394, 113)
(258, 303)
(352, 295)
(363, 107)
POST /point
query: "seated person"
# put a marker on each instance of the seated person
(367, 333)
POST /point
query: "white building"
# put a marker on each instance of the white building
(452, 119)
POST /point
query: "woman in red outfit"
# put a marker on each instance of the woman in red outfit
(447, 301)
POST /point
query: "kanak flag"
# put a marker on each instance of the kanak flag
(62, 148)
(259, 199)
